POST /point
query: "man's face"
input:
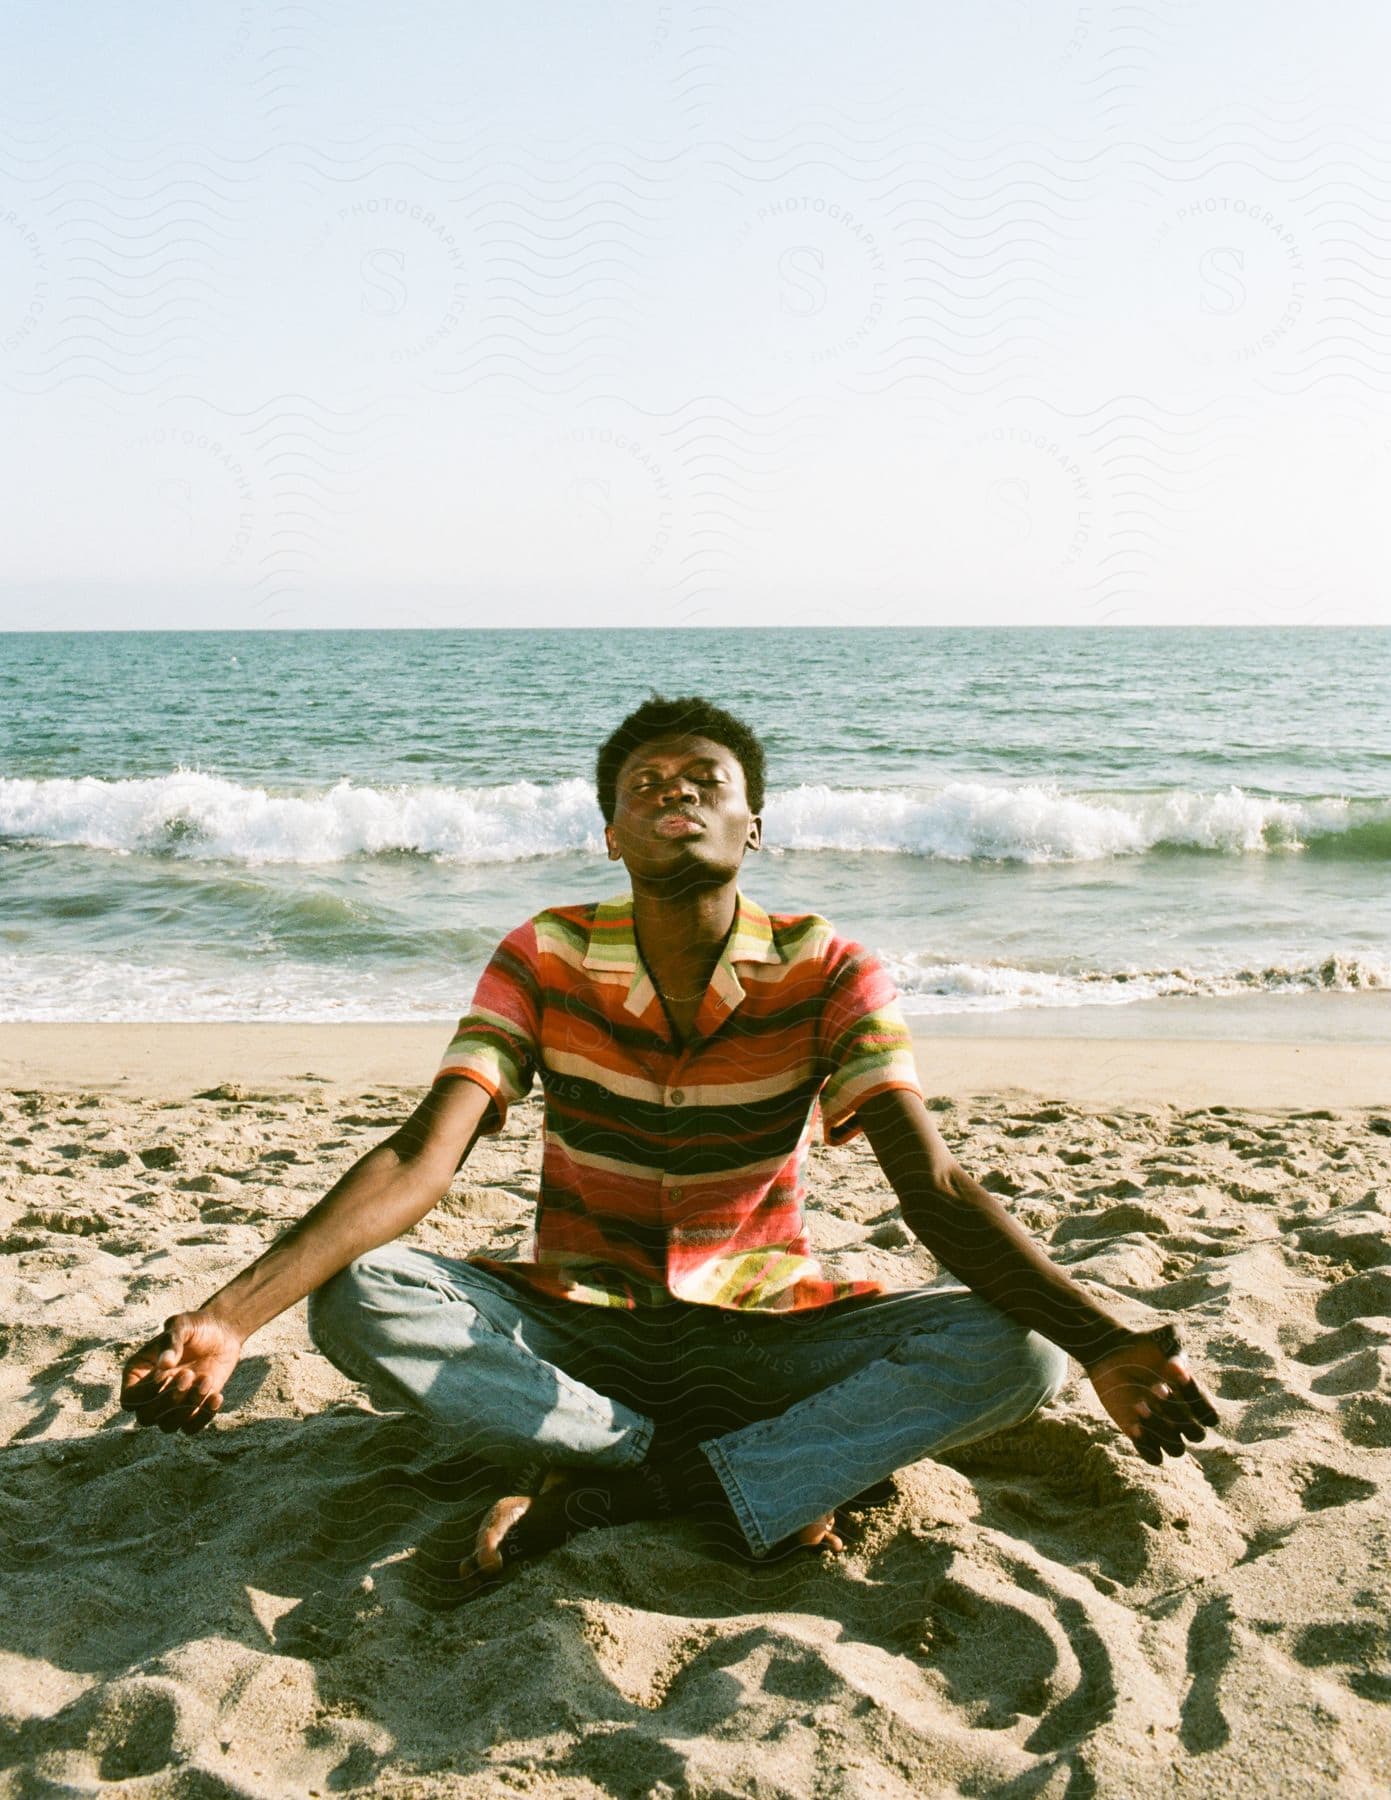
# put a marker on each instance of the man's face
(681, 814)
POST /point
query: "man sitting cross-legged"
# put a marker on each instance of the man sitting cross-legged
(674, 1345)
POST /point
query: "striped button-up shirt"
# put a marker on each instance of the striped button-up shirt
(670, 1168)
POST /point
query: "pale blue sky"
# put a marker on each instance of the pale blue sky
(689, 314)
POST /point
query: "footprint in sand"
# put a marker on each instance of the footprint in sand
(1366, 1371)
(207, 1183)
(1332, 1346)
(231, 1212)
(1221, 1469)
(70, 1223)
(1245, 1384)
(1353, 1236)
(1123, 1189)
(1070, 1473)
(1234, 1355)
(1167, 1175)
(1359, 1297)
(1274, 1414)
(1322, 1487)
(1365, 1420)
(992, 1693)
(137, 1726)
(1116, 1221)
(1212, 1649)
(1358, 1649)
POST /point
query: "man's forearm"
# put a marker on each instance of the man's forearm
(382, 1195)
(967, 1230)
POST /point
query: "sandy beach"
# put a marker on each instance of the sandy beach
(1043, 1616)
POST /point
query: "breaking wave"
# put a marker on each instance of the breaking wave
(928, 986)
(192, 814)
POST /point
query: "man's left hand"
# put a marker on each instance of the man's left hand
(1149, 1391)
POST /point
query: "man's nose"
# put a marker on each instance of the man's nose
(677, 788)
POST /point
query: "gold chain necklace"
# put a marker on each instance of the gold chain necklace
(661, 991)
(667, 996)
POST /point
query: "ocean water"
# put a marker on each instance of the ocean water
(341, 825)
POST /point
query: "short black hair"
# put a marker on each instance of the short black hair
(689, 716)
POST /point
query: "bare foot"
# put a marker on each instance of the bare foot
(558, 1512)
(821, 1534)
(485, 1562)
(467, 1554)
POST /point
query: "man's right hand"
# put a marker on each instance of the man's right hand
(176, 1380)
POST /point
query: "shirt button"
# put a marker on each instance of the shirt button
(677, 1096)
(678, 1193)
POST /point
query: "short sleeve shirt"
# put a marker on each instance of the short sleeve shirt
(673, 1169)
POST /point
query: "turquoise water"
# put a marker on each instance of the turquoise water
(340, 825)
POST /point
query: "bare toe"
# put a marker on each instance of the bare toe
(501, 1516)
(464, 1554)
(821, 1534)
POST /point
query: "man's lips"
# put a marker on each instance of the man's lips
(677, 825)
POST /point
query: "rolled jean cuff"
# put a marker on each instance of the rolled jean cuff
(743, 1512)
(638, 1444)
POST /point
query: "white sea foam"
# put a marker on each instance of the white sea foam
(975, 821)
(57, 986)
(73, 986)
(202, 816)
(929, 986)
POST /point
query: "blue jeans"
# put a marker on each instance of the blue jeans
(797, 1412)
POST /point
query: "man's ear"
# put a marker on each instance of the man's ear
(754, 841)
(612, 844)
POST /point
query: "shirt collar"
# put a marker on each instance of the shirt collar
(613, 950)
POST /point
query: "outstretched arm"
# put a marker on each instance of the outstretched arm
(176, 1380)
(1139, 1376)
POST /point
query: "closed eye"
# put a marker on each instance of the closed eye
(645, 783)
